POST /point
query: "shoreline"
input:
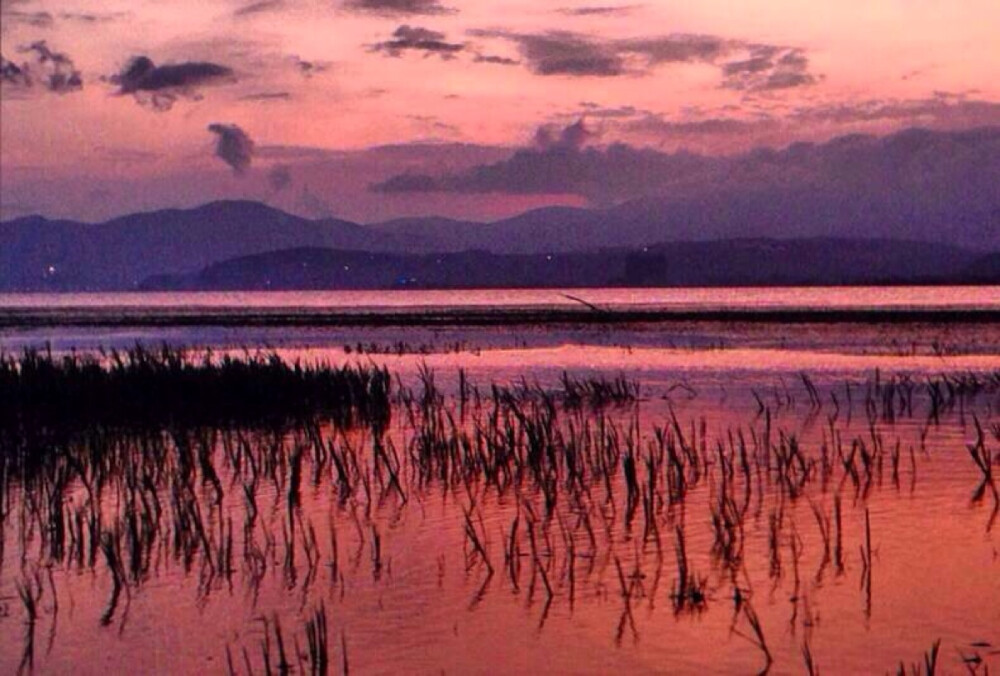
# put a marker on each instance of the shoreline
(13, 318)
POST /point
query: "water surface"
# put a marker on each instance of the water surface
(882, 422)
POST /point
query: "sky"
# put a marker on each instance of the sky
(357, 108)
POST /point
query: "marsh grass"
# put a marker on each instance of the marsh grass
(590, 491)
(141, 388)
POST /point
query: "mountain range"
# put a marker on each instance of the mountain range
(756, 262)
(927, 203)
(251, 245)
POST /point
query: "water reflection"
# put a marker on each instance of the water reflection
(577, 523)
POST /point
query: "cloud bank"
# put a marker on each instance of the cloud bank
(564, 162)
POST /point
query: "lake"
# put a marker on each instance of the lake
(697, 489)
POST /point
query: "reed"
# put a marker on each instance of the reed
(142, 388)
(577, 489)
(926, 668)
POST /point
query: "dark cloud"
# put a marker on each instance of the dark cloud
(498, 60)
(267, 96)
(576, 54)
(413, 38)
(560, 163)
(142, 74)
(37, 19)
(943, 111)
(572, 137)
(657, 125)
(596, 110)
(756, 64)
(398, 7)
(710, 132)
(564, 53)
(907, 182)
(769, 69)
(13, 74)
(161, 86)
(279, 176)
(729, 130)
(92, 17)
(43, 19)
(233, 147)
(759, 68)
(598, 10)
(48, 69)
(261, 7)
(309, 68)
(680, 48)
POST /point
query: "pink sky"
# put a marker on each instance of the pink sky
(714, 76)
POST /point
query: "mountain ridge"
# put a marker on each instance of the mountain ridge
(61, 255)
(929, 186)
(748, 262)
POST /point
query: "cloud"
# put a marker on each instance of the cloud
(413, 38)
(560, 163)
(13, 74)
(759, 67)
(769, 69)
(267, 96)
(576, 54)
(498, 60)
(680, 48)
(233, 147)
(942, 111)
(44, 19)
(572, 137)
(161, 86)
(715, 126)
(309, 68)
(92, 17)
(564, 53)
(51, 70)
(398, 7)
(261, 7)
(596, 110)
(865, 178)
(37, 19)
(598, 10)
(731, 129)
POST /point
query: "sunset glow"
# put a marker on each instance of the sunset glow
(338, 96)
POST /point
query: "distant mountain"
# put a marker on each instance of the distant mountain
(985, 270)
(313, 268)
(747, 262)
(38, 254)
(936, 187)
(430, 234)
(817, 261)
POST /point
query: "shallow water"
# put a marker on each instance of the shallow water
(404, 589)
(614, 298)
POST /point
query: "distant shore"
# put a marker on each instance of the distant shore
(508, 316)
